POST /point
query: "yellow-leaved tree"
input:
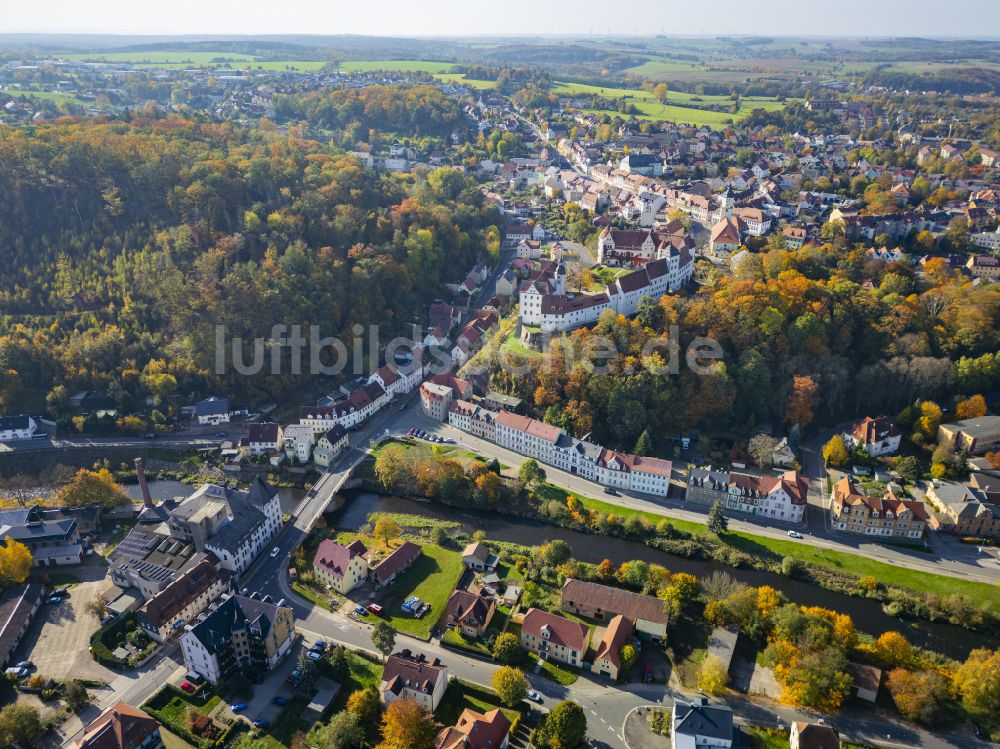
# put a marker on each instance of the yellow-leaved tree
(92, 488)
(15, 562)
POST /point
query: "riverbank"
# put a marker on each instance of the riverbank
(868, 613)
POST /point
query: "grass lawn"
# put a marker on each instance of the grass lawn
(981, 594)
(319, 597)
(558, 672)
(456, 639)
(173, 741)
(432, 578)
(462, 695)
(688, 639)
(514, 347)
(658, 68)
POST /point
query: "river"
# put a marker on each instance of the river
(168, 489)
(868, 616)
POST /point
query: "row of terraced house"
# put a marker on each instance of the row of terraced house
(547, 443)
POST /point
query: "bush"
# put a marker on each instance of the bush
(792, 567)
(202, 726)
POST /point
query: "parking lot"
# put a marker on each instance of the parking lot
(59, 640)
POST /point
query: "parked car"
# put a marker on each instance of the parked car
(375, 609)
(150, 435)
(262, 724)
(534, 696)
(221, 435)
(609, 490)
(55, 599)
(238, 707)
(409, 432)
(188, 687)
(360, 611)
(794, 534)
(25, 664)
(279, 701)
(194, 678)
(314, 656)
(275, 551)
(20, 673)
(292, 679)
(319, 646)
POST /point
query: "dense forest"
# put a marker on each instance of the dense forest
(415, 110)
(125, 243)
(807, 336)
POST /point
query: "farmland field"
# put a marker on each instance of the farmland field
(659, 68)
(403, 66)
(459, 78)
(651, 109)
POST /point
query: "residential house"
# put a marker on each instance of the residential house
(963, 511)
(120, 726)
(52, 542)
(878, 436)
(608, 654)
(477, 556)
(242, 635)
(603, 602)
(975, 436)
(812, 736)
(529, 248)
(867, 680)
(435, 400)
(984, 266)
(698, 723)
(725, 236)
(318, 418)
(469, 613)
(854, 511)
(264, 438)
(165, 614)
(17, 428)
(400, 560)
(414, 676)
(783, 456)
(775, 497)
(299, 440)
(554, 637)
(18, 606)
(329, 446)
(214, 411)
(233, 524)
(473, 419)
(795, 237)
(476, 731)
(340, 567)
(707, 486)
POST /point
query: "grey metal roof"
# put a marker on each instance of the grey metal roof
(701, 719)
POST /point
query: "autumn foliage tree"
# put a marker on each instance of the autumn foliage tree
(835, 452)
(802, 401)
(15, 562)
(923, 696)
(92, 488)
(406, 724)
(971, 408)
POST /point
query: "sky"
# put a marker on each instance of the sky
(852, 18)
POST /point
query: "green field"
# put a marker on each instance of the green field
(461, 79)
(658, 68)
(53, 96)
(675, 111)
(402, 66)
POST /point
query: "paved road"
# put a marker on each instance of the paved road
(982, 567)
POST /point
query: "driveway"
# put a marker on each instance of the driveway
(59, 640)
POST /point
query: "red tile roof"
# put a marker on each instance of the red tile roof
(561, 631)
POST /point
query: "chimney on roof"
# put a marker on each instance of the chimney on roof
(140, 474)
